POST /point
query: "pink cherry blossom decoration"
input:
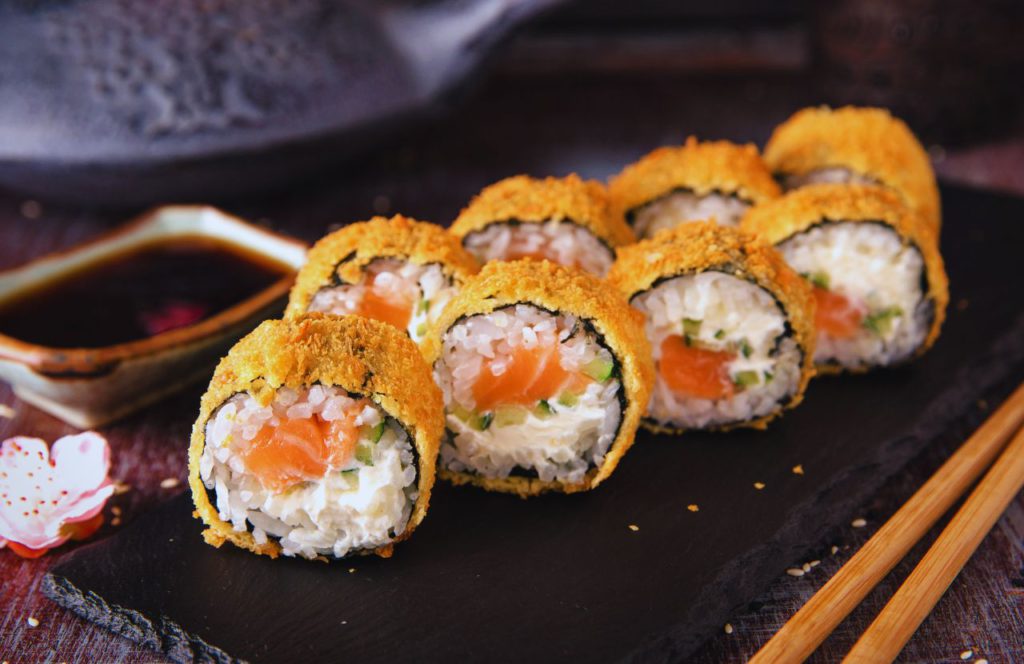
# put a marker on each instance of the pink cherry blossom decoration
(49, 496)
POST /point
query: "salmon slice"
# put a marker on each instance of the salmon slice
(393, 305)
(299, 450)
(695, 372)
(837, 315)
(531, 374)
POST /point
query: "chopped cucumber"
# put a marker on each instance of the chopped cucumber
(462, 413)
(509, 415)
(745, 379)
(720, 334)
(691, 327)
(348, 473)
(568, 399)
(768, 376)
(543, 408)
(598, 369)
(745, 347)
(482, 422)
(364, 454)
(424, 306)
(880, 322)
(819, 279)
(376, 432)
(421, 329)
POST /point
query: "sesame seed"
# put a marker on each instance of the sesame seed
(344, 622)
(795, 571)
(634, 527)
(169, 483)
(119, 488)
(7, 411)
(33, 622)
(806, 567)
(814, 563)
(693, 507)
(116, 521)
(115, 510)
(758, 485)
(728, 628)
(981, 661)
(798, 469)
(967, 654)
(835, 550)
(351, 570)
(859, 523)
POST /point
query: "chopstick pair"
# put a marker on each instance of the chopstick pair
(911, 604)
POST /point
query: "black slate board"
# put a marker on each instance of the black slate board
(495, 578)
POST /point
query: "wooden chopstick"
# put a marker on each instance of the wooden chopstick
(816, 619)
(915, 599)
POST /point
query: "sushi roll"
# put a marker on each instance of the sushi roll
(317, 438)
(878, 278)
(398, 270)
(730, 324)
(545, 373)
(564, 220)
(693, 182)
(854, 145)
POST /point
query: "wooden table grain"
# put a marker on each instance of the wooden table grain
(542, 125)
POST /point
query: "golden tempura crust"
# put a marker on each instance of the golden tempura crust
(702, 167)
(701, 246)
(343, 255)
(803, 208)
(868, 141)
(530, 200)
(363, 356)
(564, 291)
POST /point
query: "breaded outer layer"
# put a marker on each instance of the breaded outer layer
(363, 356)
(803, 208)
(531, 200)
(560, 290)
(868, 141)
(341, 256)
(702, 167)
(703, 246)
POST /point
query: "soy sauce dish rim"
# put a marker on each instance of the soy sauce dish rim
(150, 229)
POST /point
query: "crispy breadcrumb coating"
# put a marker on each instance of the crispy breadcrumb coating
(343, 255)
(808, 206)
(867, 141)
(702, 246)
(560, 290)
(701, 167)
(365, 357)
(525, 199)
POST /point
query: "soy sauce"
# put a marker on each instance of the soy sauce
(138, 294)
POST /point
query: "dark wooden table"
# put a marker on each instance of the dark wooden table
(542, 125)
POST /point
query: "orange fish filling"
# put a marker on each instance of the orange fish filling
(695, 372)
(837, 316)
(531, 374)
(392, 305)
(299, 450)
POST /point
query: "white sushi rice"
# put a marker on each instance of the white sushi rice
(427, 284)
(680, 207)
(827, 175)
(733, 314)
(361, 506)
(869, 264)
(562, 445)
(559, 241)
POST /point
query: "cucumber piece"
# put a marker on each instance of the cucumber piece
(568, 399)
(819, 279)
(691, 327)
(421, 329)
(598, 369)
(508, 415)
(768, 376)
(376, 432)
(424, 306)
(745, 347)
(880, 322)
(720, 334)
(745, 379)
(364, 454)
(482, 422)
(463, 414)
(543, 408)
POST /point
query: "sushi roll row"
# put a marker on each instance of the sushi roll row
(400, 357)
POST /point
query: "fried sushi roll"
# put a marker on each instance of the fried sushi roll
(730, 324)
(564, 220)
(545, 373)
(878, 278)
(697, 181)
(317, 437)
(853, 145)
(398, 270)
